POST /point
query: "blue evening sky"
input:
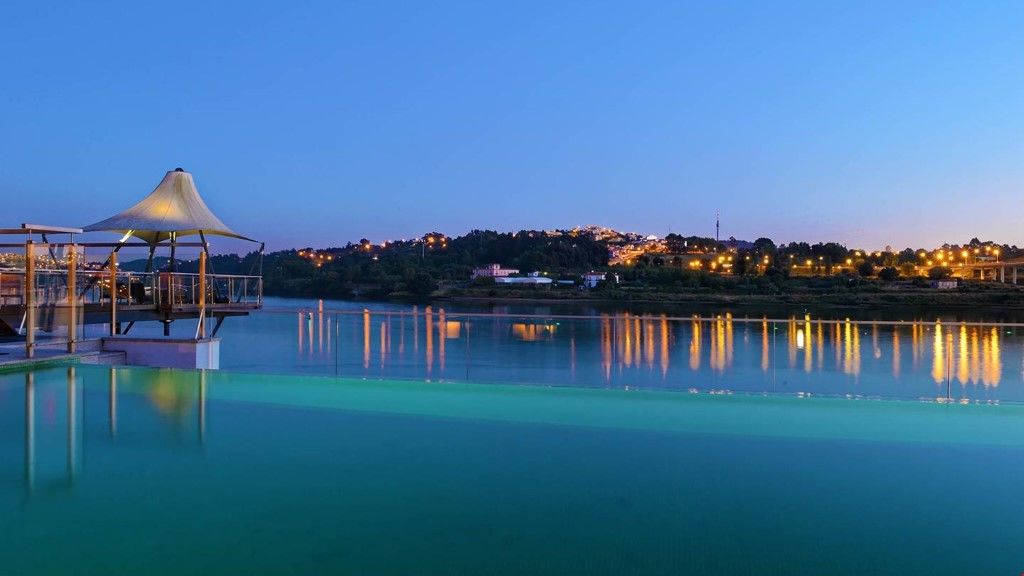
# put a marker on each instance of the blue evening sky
(316, 123)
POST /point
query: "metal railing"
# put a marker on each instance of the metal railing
(162, 290)
(222, 290)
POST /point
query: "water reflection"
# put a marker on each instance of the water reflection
(530, 332)
(896, 353)
(973, 357)
(57, 414)
(723, 351)
(30, 432)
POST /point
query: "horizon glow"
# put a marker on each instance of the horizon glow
(869, 125)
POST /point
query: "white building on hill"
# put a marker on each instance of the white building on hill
(494, 271)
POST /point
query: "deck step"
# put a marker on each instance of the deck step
(115, 358)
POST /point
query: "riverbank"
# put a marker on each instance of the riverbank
(977, 301)
(992, 297)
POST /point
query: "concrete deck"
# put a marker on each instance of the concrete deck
(12, 356)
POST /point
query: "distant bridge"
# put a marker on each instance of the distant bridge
(997, 271)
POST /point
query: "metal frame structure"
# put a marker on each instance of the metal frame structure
(111, 296)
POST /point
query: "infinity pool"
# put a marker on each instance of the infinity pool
(137, 471)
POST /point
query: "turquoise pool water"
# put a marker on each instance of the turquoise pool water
(136, 471)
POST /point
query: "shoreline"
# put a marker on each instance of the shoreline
(989, 300)
(1004, 300)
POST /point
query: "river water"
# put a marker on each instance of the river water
(958, 357)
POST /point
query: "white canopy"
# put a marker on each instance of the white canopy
(174, 208)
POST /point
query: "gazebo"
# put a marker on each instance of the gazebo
(174, 209)
(51, 298)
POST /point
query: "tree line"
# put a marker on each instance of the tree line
(419, 267)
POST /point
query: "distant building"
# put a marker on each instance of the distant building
(592, 279)
(494, 271)
(522, 280)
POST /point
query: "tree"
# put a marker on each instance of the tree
(741, 267)
(865, 269)
(832, 251)
(888, 274)
(764, 246)
(907, 256)
(421, 284)
(939, 272)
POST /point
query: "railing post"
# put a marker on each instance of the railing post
(202, 294)
(72, 298)
(113, 293)
(30, 299)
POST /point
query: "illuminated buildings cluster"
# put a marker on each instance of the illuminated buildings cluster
(603, 234)
(627, 252)
(317, 258)
(433, 241)
(964, 262)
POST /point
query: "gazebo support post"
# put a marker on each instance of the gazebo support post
(113, 293)
(30, 299)
(172, 267)
(72, 299)
(201, 332)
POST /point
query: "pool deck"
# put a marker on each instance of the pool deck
(13, 359)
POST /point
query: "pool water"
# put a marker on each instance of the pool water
(140, 471)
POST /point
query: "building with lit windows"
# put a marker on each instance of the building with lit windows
(494, 271)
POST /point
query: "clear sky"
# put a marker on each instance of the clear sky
(316, 123)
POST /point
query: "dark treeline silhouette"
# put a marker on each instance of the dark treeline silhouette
(419, 267)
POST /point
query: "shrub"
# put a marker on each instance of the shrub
(888, 274)
(421, 284)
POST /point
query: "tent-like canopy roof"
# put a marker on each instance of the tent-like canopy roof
(174, 207)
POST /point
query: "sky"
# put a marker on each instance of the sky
(319, 123)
